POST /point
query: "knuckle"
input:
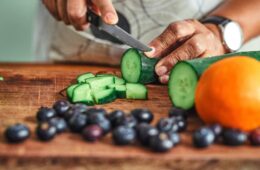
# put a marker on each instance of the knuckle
(177, 29)
(75, 15)
(196, 47)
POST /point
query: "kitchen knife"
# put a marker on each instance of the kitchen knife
(116, 32)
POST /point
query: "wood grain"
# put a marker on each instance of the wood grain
(28, 86)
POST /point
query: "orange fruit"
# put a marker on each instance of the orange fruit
(228, 93)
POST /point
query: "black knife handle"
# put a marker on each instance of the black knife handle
(93, 18)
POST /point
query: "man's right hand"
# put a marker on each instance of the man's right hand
(73, 12)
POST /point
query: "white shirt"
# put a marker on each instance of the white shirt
(147, 19)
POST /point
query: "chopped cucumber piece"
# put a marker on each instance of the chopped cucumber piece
(1, 78)
(102, 75)
(83, 94)
(100, 82)
(136, 91)
(81, 78)
(119, 81)
(137, 68)
(120, 90)
(70, 90)
(104, 96)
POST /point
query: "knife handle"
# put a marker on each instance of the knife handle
(93, 18)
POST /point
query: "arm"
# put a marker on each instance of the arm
(189, 39)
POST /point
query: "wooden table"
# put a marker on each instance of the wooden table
(28, 86)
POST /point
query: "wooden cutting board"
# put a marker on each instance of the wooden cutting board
(28, 86)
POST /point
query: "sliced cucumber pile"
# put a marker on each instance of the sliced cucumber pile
(185, 75)
(137, 68)
(103, 88)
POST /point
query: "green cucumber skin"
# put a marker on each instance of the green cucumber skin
(147, 72)
(107, 99)
(201, 64)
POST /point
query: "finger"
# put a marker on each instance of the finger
(52, 8)
(62, 11)
(164, 79)
(77, 10)
(192, 48)
(174, 33)
(108, 12)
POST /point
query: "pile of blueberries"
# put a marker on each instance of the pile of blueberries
(208, 135)
(94, 123)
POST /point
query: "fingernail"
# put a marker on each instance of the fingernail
(150, 53)
(111, 18)
(161, 70)
(164, 79)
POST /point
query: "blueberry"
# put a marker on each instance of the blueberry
(161, 142)
(70, 113)
(80, 107)
(217, 129)
(17, 133)
(92, 133)
(45, 114)
(142, 115)
(45, 131)
(233, 137)
(123, 135)
(61, 107)
(95, 118)
(59, 123)
(254, 137)
(182, 125)
(144, 132)
(174, 137)
(203, 137)
(96, 111)
(177, 112)
(128, 121)
(165, 124)
(77, 122)
(115, 117)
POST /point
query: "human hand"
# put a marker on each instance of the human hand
(184, 40)
(73, 12)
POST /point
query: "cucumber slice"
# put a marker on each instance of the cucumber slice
(102, 75)
(136, 91)
(137, 68)
(104, 96)
(70, 90)
(81, 78)
(182, 85)
(1, 78)
(120, 90)
(185, 75)
(83, 94)
(100, 82)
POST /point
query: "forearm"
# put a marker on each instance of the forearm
(245, 12)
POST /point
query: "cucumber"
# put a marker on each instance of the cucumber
(1, 78)
(83, 94)
(185, 75)
(137, 68)
(70, 90)
(104, 96)
(100, 82)
(136, 91)
(118, 80)
(120, 90)
(81, 78)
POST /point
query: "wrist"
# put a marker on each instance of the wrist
(218, 34)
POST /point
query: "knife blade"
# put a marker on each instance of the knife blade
(116, 32)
